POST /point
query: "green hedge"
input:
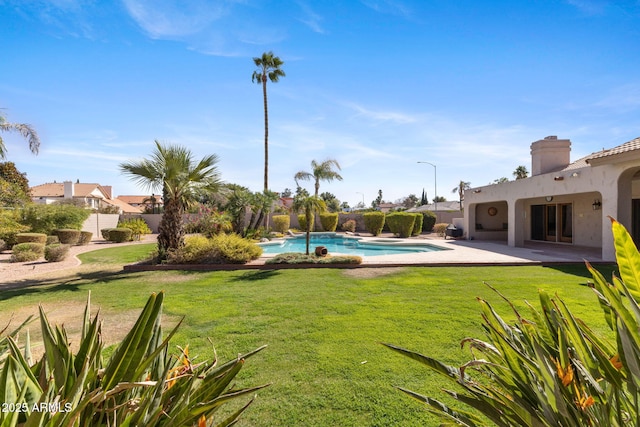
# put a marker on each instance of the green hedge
(85, 238)
(329, 221)
(105, 233)
(138, 227)
(31, 237)
(401, 223)
(281, 223)
(119, 235)
(428, 220)
(68, 236)
(47, 218)
(302, 220)
(219, 249)
(374, 222)
(417, 225)
(10, 226)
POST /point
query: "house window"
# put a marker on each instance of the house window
(552, 222)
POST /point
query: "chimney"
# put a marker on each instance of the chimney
(68, 189)
(550, 155)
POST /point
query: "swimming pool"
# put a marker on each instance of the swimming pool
(345, 245)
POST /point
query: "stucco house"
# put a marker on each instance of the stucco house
(562, 202)
(94, 196)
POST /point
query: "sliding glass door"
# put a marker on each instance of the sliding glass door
(552, 222)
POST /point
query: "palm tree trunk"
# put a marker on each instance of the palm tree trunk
(170, 230)
(266, 133)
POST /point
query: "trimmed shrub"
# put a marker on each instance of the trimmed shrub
(52, 240)
(401, 223)
(104, 232)
(440, 228)
(374, 222)
(68, 236)
(281, 223)
(234, 249)
(31, 237)
(46, 218)
(349, 225)
(299, 258)
(56, 252)
(29, 251)
(119, 235)
(85, 238)
(302, 220)
(138, 227)
(329, 221)
(10, 226)
(3, 245)
(219, 249)
(417, 225)
(428, 220)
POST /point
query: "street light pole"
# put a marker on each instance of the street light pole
(435, 185)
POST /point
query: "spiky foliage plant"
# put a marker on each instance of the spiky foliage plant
(141, 384)
(549, 368)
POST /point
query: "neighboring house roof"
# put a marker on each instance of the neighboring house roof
(56, 189)
(123, 206)
(442, 206)
(140, 200)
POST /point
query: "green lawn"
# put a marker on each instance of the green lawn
(323, 327)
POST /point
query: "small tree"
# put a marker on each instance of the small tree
(521, 172)
(460, 189)
(309, 206)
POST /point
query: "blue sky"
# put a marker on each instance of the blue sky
(376, 84)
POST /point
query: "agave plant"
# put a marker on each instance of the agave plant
(549, 368)
(139, 385)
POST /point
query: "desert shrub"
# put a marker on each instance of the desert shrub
(56, 252)
(234, 249)
(349, 225)
(68, 236)
(417, 225)
(329, 221)
(374, 222)
(302, 220)
(545, 367)
(208, 221)
(31, 237)
(3, 245)
(52, 240)
(300, 258)
(46, 218)
(10, 226)
(401, 223)
(119, 235)
(219, 249)
(142, 381)
(29, 251)
(85, 238)
(138, 227)
(104, 232)
(428, 220)
(440, 228)
(281, 223)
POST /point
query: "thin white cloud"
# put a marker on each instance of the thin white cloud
(623, 98)
(382, 116)
(389, 7)
(311, 19)
(590, 7)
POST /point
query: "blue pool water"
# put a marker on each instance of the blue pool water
(345, 245)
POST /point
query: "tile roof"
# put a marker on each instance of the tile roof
(140, 200)
(125, 207)
(632, 145)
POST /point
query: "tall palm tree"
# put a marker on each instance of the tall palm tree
(521, 172)
(460, 189)
(268, 68)
(23, 129)
(320, 172)
(173, 170)
(309, 205)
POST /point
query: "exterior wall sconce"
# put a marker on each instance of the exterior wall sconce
(477, 191)
(596, 205)
(575, 174)
(558, 178)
